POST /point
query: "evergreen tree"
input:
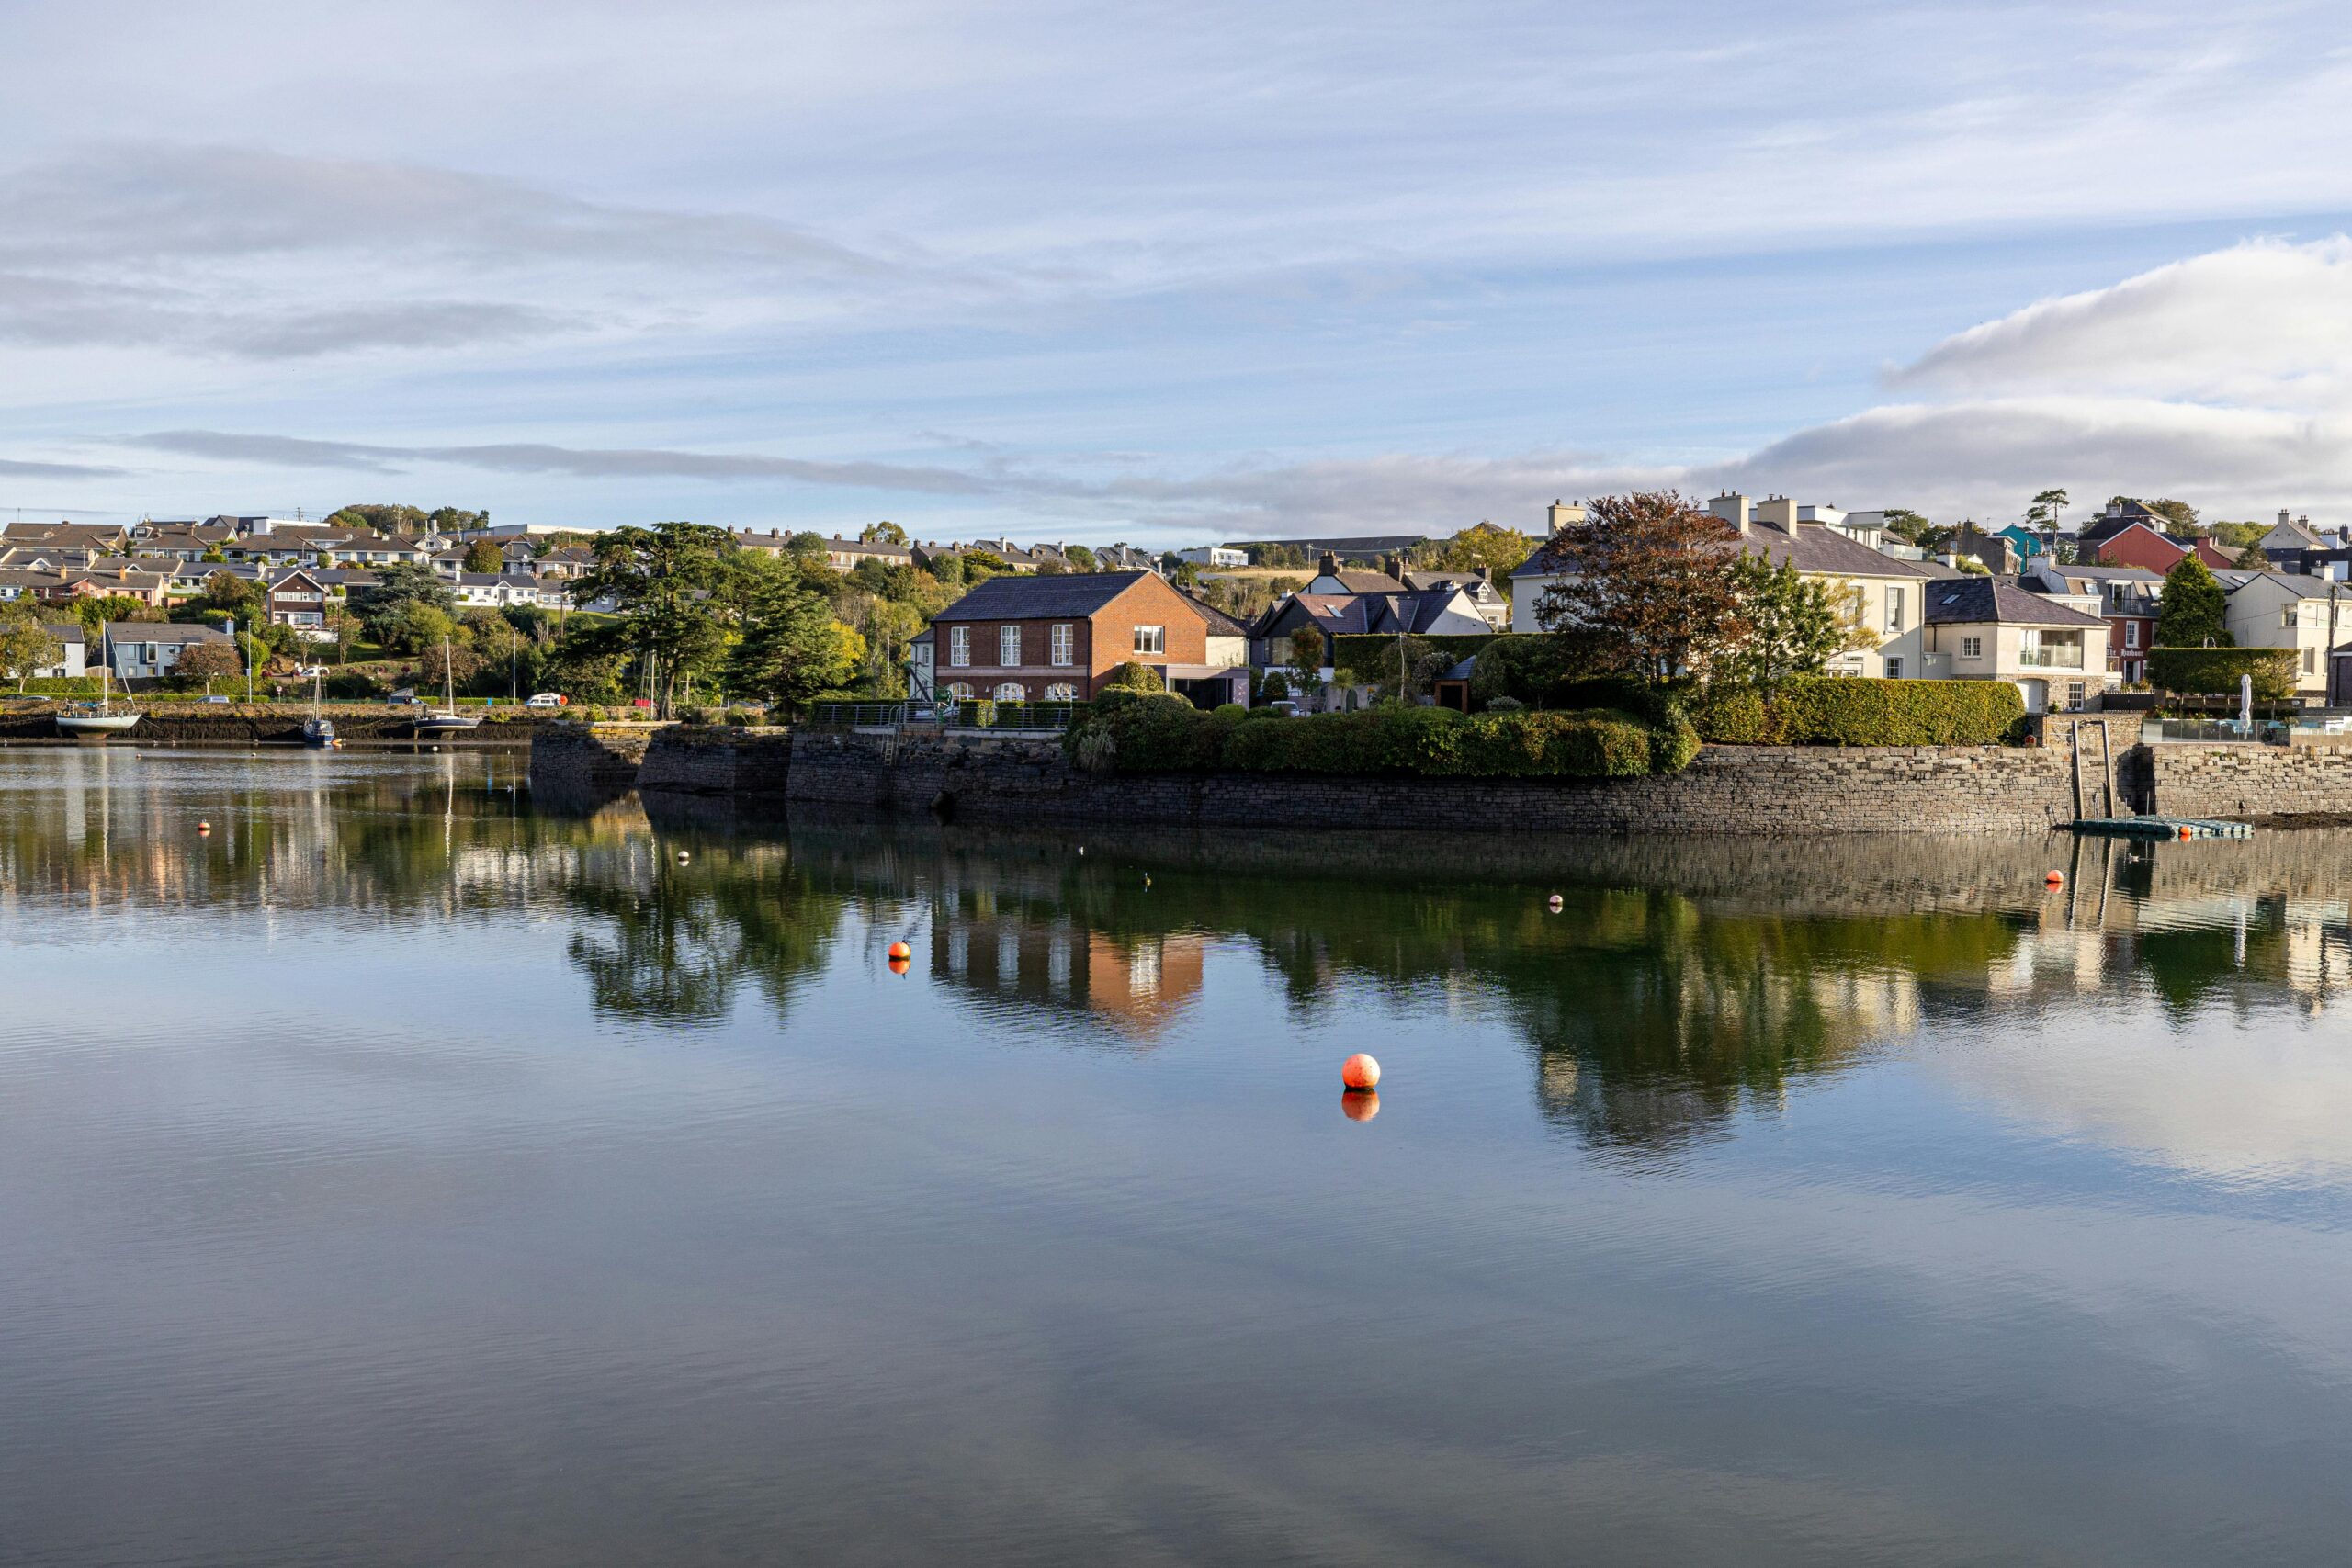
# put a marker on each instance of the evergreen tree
(2193, 611)
(792, 648)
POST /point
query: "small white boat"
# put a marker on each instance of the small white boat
(99, 719)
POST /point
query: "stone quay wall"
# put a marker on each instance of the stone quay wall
(979, 777)
(718, 761)
(589, 756)
(2246, 782)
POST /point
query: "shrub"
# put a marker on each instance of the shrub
(1274, 687)
(2214, 671)
(1506, 704)
(1148, 733)
(1133, 677)
(1229, 711)
(1842, 710)
(1364, 659)
(697, 714)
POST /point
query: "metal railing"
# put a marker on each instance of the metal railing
(971, 713)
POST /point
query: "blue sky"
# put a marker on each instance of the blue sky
(1168, 273)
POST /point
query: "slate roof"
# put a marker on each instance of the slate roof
(1220, 624)
(1812, 548)
(1976, 601)
(1072, 595)
(162, 631)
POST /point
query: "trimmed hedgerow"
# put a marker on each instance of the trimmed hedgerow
(2210, 671)
(1834, 710)
(1140, 734)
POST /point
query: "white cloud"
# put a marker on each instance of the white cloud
(2263, 323)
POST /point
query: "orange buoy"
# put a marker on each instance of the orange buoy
(1359, 1071)
(1359, 1104)
(901, 950)
(900, 965)
(2184, 832)
(2056, 878)
(204, 827)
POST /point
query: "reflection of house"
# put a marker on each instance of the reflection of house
(1982, 630)
(1136, 984)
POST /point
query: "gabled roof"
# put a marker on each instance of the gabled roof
(162, 631)
(1220, 624)
(1813, 547)
(1364, 581)
(1073, 595)
(1978, 600)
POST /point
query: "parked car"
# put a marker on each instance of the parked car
(546, 700)
(216, 699)
(405, 698)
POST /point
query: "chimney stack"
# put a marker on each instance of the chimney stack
(1329, 566)
(1733, 508)
(2282, 517)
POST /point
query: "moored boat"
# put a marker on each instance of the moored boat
(100, 718)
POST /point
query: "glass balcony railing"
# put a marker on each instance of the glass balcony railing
(2059, 658)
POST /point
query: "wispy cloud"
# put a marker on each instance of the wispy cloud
(12, 469)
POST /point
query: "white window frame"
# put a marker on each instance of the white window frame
(1065, 643)
(1895, 606)
(1972, 647)
(959, 646)
(1061, 692)
(1151, 639)
(1894, 669)
(1011, 692)
(1007, 646)
(2130, 634)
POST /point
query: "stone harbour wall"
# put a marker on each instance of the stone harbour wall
(980, 777)
(710, 759)
(578, 756)
(2247, 783)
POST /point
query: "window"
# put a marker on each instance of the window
(1151, 639)
(1010, 691)
(1894, 669)
(1972, 647)
(2074, 693)
(960, 690)
(2040, 650)
(2311, 661)
(959, 646)
(2130, 634)
(1065, 643)
(1894, 607)
(1061, 692)
(1008, 645)
(2287, 617)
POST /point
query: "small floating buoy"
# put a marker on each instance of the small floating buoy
(1556, 902)
(899, 967)
(2055, 879)
(1359, 1104)
(1147, 879)
(1359, 1071)
(682, 857)
(900, 950)
(1081, 848)
(2184, 831)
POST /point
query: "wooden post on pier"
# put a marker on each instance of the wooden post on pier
(2075, 746)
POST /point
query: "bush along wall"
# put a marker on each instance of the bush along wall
(1138, 733)
(1835, 710)
(2214, 671)
(1356, 656)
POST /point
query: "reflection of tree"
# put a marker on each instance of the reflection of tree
(674, 944)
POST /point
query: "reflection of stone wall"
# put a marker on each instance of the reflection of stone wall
(1752, 789)
(238, 724)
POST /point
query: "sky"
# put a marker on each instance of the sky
(1168, 274)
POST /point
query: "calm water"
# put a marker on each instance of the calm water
(407, 1173)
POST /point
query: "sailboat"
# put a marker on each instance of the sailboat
(318, 730)
(448, 721)
(101, 720)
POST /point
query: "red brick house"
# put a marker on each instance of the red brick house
(1043, 639)
(2141, 546)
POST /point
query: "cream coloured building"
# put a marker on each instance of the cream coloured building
(1981, 628)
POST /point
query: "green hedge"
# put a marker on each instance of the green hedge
(2215, 670)
(1843, 710)
(1355, 657)
(1149, 734)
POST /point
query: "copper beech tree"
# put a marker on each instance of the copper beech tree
(1647, 590)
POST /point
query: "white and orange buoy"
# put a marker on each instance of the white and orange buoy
(2054, 879)
(204, 827)
(1555, 903)
(1360, 1072)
